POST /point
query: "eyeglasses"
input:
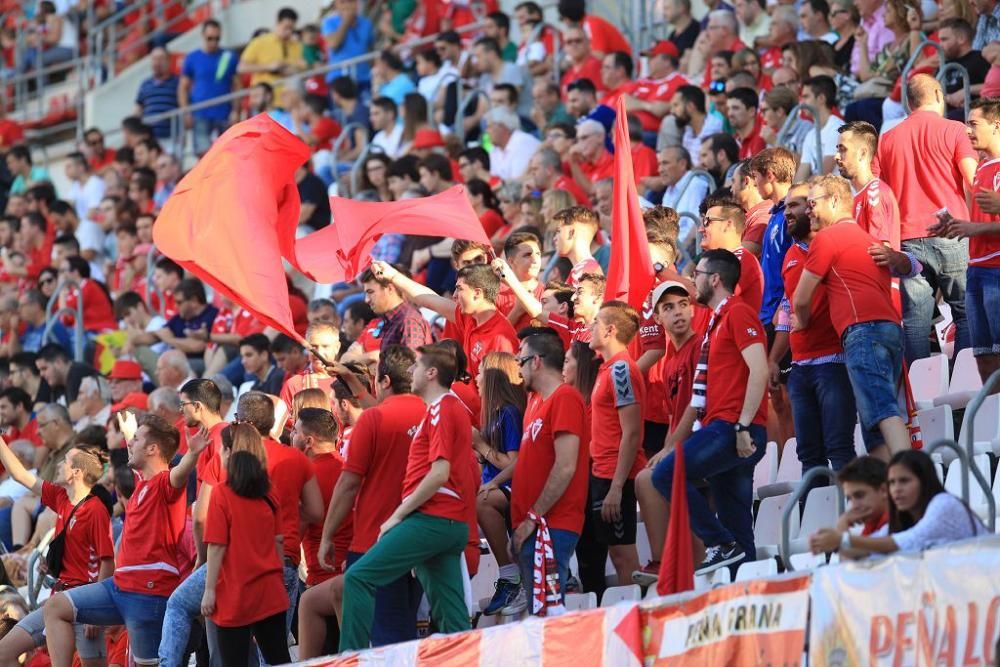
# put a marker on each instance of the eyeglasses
(575, 40)
(707, 220)
(552, 136)
(46, 281)
(521, 361)
(42, 425)
(183, 403)
(704, 273)
(812, 200)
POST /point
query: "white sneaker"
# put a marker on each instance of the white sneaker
(517, 605)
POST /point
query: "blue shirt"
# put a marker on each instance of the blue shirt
(179, 326)
(397, 89)
(32, 340)
(211, 76)
(359, 40)
(156, 97)
(509, 424)
(777, 241)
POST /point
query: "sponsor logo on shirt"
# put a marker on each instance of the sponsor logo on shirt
(752, 332)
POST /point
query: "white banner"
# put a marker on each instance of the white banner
(938, 608)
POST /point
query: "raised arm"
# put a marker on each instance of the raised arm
(17, 470)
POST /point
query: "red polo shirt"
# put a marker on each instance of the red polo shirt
(819, 339)
(736, 329)
(494, 335)
(588, 69)
(656, 90)
(753, 143)
(984, 250)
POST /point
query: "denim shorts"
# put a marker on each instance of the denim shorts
(982, 309)
(34, 625)
(104, 603)
(874, 359)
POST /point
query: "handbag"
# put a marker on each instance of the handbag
(57, 547)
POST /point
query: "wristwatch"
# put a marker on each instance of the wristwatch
(740, 428)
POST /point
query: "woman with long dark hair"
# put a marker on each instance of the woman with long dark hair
(504, 399)
(486, 205)
(921, 513)
(244, 584)
(375, 175)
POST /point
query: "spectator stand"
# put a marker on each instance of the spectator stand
(77, 313)
(786, 129)
(942, 71)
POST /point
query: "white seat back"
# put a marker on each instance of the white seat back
(820, 510)
(929, 378)
(757, 569)
(616, 594)
(578, 601)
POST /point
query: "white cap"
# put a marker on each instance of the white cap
(659, 290)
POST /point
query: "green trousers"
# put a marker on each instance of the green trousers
(429, 545)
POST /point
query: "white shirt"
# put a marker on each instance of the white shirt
(511, 161)
(389, 143)
(946, 519)
(87, 196)
(692, 142)
(688, 203)
(430, 85)
(11, 489)
(829, 137)
(157, 322)
(100, 419)
(90, 236)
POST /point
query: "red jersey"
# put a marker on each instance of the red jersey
(323, 132)
(444, 433)
(328, 468)
(290, 470)
(756, 222)
(656, 90)
(494, 335)
(544, 420)
(644, 162)
(819, 339)
(570, 330)
(984, 250)
(588, 69)
(369, 339)
(148, 560)
(305, 380)
(752, 144)
(877, 212)
(30, 433)
(492, 222)
(736, 328)
(678, 377)
(750, 287)
(469, 395)
(380, 446)
(209, 468)
(619, 384)
(98, 314)
(937, 145)
(88, 537)
(38, 258)
(568, 184)
(251, 585)
(858, 289)
(604, 167)
(589, 265)
(604, 36)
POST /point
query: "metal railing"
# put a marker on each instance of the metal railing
(966, 83)
(786, 129)
(53, 316)
(802, 490)
(971, 410)
(463, 101)
(917, 53)
(103, 40)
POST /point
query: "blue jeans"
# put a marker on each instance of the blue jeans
(183, 609)
(945, 262)
(205, 131)
(874, 354)
(103, 603)
(563, 544)
(396, 607)
(982, 303)
(823, 410)
(710, 453)
(292, 588)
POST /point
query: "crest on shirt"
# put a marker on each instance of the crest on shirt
(477, 349)
(72, 522)
(535, 427)
(413, 430)
(142, 494)
(996, 182)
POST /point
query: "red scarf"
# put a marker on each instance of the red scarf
(546, 593)
(699, 388)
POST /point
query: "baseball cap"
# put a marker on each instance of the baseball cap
(664, 47)
(136, 400)
(666, 286)
(427, 137)
(125, 369)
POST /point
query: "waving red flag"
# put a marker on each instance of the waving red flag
(232, 218)
(676, 563)
(342, 250)
(630, 271)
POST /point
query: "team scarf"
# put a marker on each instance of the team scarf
(699, 387)
(546, 593)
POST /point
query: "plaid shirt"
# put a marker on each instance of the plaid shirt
(404, 325)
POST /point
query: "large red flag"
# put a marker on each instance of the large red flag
(232, 218)
(342, 250)
(676, 562)
(630, 271)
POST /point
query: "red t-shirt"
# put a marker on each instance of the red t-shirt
(494, 335)
(750, 287)
(469, 395)
(937, 145)
(369, 338)
(619, 384)
(305, 380)
(380, 445)
(858, 289)
(148, 559)
(756, 223)
(877, 212)
(88, 537)
(10, 133)
(444, 433)
(566, 183)
(324, 131)
(588, 69)
(603, 168)
(30, 433)
(589, 265)
(251, 584)
(289, 470)
(570, 330)
(643, 162)
(819, 339)
(656, 90)
(492, 222)
(678, 377)
(752, 144)
(328, 468)
(209, 469)
(984, 250)
(98, 314)
(604, 37)
(736, 329)
(561, 413)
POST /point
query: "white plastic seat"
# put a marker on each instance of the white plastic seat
(985, 430)
(805, 562)
(766, 470)
(936, 423)
(767, 527)
(820, 512)
(929, 379)
(788, 475)
(714, 579)
(757, 569)
(642, 543)
(941, 329)
(953, 483)
(965, 381)
(616, 594)
(579, 601)
(859, 441)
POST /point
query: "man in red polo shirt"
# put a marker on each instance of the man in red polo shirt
(545, 172)
(428, 530)
(98, 313)
(650, 97)
(479, 326)
(861, 312)
(583, 64)
(589, 159)
(727, 400)
(550, 477)
(741, 110)
(325, 340)
(722, 228)
(604, 36)
(616, 436)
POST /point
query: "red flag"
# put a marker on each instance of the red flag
(233, 217)
(342, 250)
(676, 563)
(630, 271)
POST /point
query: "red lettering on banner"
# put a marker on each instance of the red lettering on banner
(970, 638)
(880, 642)
(991, 630)
(927, 641)
(904, 642)
(949, 639)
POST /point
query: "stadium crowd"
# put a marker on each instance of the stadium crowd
(806, 210)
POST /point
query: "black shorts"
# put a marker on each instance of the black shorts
(653, 436)
(785, 365)
(618, 532)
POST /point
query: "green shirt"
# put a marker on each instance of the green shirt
(19, 186)
(509, 53)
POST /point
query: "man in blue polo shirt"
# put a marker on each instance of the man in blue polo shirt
(349, 34)
(190, 329)
(158, 94)
(208, 72)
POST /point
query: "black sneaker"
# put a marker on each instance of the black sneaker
(720, 556)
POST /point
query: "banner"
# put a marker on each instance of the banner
(940, 607)
(760, 622)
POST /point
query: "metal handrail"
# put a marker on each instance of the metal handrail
(803, 488)
(912, 61)
(346, 133)
(35, 585)
(966, 83)
(786, 129)
(971, 410)
(463, 100)
(683, 242)
(52, 316)
(967, 467)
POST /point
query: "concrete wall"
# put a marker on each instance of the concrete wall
(106, 105)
